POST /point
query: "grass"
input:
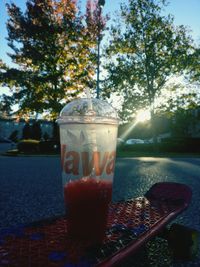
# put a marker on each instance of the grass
(15, 152)
(120, 154)
(131, 154)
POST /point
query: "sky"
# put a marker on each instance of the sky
(185, 12)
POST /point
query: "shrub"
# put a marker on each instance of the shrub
(179, 145)
(139, 147)
(49, 146)
(28, 146)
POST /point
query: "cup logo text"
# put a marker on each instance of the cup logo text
(97, 161)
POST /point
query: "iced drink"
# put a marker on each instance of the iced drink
(88, 149)
(87, 201)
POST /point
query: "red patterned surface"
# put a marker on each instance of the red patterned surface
(46, 244)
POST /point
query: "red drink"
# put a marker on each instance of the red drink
(87, 201)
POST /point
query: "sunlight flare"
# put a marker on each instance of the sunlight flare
(126, 133)
(143, 115)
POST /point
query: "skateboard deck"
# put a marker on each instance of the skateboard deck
(130, 225)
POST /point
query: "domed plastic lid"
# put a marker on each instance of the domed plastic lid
(86, 110)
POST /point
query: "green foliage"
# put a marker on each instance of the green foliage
(31, 146)
(183, 122)
(176, 96)
(180, 109)
(194, 69)
(147, 49)
(5, 105)
(49, 146)
(182, 145)
(53, 46)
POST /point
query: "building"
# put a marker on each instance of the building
(9, 125)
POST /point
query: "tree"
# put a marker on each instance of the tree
(194, 69)
(5, 100)
(182, 123)
(144, 53)
(53, 46)
(181, 109)
(56, 133)
(26, 132)
(14, 136)
(36, 131)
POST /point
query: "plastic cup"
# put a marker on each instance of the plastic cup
(88, 136)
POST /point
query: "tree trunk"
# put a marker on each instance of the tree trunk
(154, 130)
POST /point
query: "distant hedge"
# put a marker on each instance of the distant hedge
(184, 145)
(35, 146)
(49, 147)
(28, 146)
(180, 145)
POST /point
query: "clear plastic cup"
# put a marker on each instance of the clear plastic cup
(88, 136)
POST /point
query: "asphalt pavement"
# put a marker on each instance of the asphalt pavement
(135, 176)
(31, 187)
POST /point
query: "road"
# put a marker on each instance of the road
(136, 175)
(5, 147)
(31, 188)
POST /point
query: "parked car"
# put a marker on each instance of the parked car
(134, 141)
